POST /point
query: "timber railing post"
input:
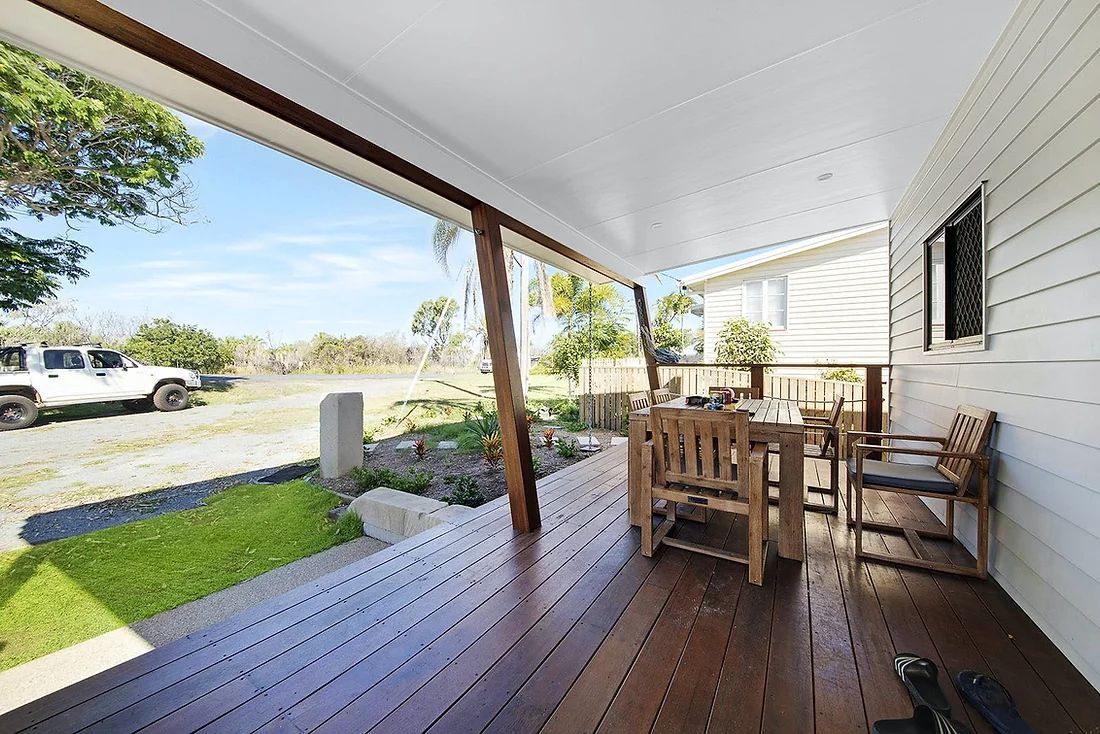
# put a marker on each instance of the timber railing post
(756, 378)
(518, 469)
(872, 415)
(645, 334)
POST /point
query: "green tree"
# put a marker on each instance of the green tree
(165, 343)
(434, 321)
(593, 322)
(744, 342)
(75, 147)
(667, 325)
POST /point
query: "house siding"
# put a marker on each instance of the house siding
(1029, 126)
(837, 297)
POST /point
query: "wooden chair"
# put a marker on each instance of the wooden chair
(694, 465)
(960, 474)
(741, 393)
(663, 395)
(829, 450)
(638, 400)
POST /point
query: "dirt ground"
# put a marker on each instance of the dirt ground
(62, 475)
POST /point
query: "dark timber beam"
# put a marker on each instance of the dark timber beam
(518, 469)
(645, 334)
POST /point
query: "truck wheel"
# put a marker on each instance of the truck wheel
(171, 397)
(138, 406)
(16, 411)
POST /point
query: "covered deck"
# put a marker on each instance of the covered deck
(569, 628)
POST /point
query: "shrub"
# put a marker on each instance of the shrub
(164, 343)
(567, 448)
(414, 481)
(743, 342)
(842, 374)
(486, 424)
(536, 464)
(464, 491)
(567, 409)
(548, 438)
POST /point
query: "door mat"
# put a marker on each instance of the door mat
(286, 474)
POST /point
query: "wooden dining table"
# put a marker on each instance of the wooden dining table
(771, 421)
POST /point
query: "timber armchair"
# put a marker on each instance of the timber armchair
(828, 450)
(638, 400)
(663, 395)
(694, 465)
(960, 474)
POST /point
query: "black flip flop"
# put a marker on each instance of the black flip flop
(920, 676)
(993, 701)
(923, 721)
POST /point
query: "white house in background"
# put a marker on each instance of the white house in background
(827, 298)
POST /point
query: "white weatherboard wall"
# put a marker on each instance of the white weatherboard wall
(1029, 126)
(837, 299)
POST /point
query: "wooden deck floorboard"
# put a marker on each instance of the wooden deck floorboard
(570, 629)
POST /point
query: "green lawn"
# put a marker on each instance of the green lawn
(60, 593)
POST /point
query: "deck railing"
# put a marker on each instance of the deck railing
(605, 385)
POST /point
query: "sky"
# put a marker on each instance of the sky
(278, 249)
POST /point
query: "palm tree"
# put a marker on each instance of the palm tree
(445, 235)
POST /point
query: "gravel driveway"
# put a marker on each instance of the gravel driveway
(65, 463)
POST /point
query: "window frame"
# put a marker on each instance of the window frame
(976, 342)
(764, 301)
(62, 350)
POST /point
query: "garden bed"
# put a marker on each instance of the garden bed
(442, 463)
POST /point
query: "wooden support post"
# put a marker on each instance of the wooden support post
(518, 470)
(872, 414)
(756, 379)
(645, 334)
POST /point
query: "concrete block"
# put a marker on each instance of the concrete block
(391, 515)
(588, 443)
(406, 445)
(341, 433)
(618, 440)
(448, 445)
(370, 448)
(453, 513)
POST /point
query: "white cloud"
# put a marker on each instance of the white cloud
(164, 264)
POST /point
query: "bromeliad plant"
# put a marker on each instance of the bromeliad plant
(548, 438)
(492, 449)
(420, 448)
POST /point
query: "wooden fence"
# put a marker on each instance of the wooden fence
(605, 385)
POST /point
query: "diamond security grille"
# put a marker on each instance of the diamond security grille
(968, 274)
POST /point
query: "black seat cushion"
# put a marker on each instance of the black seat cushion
(921, 477)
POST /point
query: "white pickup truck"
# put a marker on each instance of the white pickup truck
(44, 376)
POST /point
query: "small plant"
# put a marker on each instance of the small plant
(416, 481)
(412, 426)
(567, 448)
(369, 434)
(492, 449)
(487, 424)
(420, 448)
(536, 464)
(842, 374)
(548, 438)
(567, 410)
(464, 491)
(413, 482)
(349, 525)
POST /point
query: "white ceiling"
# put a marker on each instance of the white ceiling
(594, 120)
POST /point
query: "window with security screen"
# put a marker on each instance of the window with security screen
(954, 279)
